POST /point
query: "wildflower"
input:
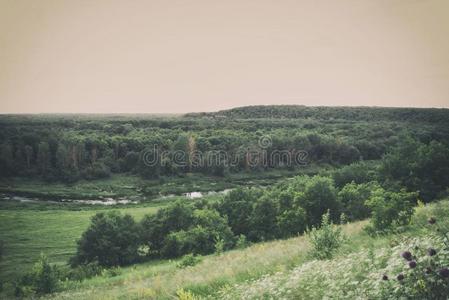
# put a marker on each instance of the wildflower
(431, 252)
(385, 277)
(412, 264)
(407, 255)
(432, 220)
(444, 272)
(400, 277)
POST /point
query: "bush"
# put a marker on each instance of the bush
(155, 228)
(325, 240)
(359, 172)
(292, 221)
(389, 209)
(185, 295)
(318, 196)
(188, 260)
(200, 237)
(421, 271)
(219, 245)
(111, 272)
(42, 279)
(86, 271)
(352, 198)
(110, 240)
(241, 242)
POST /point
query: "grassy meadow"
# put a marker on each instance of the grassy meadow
(28, 231)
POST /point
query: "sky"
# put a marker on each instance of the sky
(170, 56)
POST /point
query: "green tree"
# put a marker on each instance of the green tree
(264, 224)
(43, 157)
(390, 209)
(352, 198)
(112, 239)
(319, 196)
(237, 205)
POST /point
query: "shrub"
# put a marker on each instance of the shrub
(292, 221)
(358, 173)
(241, 242)
(353, 197)
(185, 295)
(318, 196)
(389, 209)
(423, 270)
(200, 238)
(42, 279)
(111, 272)
(188, 260)
(219, 245)
(155, 228)
(110, 240)
(325, 240)
(86, 271)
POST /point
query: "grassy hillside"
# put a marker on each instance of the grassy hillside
(269, 269)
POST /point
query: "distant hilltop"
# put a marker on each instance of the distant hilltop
(357, 113)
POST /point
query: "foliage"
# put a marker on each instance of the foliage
(326, 239)
(84, 271)
(185, 295)
(110, 240)
(42, 279)
(61, 149)
(188, 260)
(418, 167)
(353, 197)
(389, 209)
(241, 242)
(319, 196)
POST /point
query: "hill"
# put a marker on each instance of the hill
(275, 269)
(329, 112)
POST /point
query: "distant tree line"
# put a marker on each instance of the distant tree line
(59, 148)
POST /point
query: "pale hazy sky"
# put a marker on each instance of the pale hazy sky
(150, 56)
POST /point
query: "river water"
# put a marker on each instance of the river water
(104, 201)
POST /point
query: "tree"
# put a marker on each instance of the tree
(418, 167)
(390, 209)
(319, 196)
(292, 221)
(43, 157)
(263, 220)
(201, 238)
(237, 206)
(112, 239)
(42, 279)
(353, 197)
(6, 159)
(154, 228)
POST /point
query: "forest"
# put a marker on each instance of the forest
(333, 165)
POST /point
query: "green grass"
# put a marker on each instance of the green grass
(115, 186)
(26, 232)
(241, 267)
(162, 279)
(122, 185)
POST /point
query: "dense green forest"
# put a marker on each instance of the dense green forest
(68, 148)
(364, 163)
